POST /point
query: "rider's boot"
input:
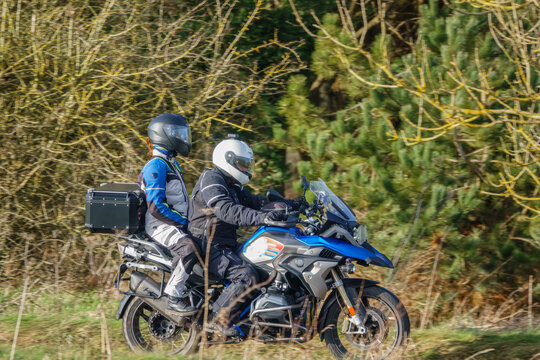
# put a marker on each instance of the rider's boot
(216, 325)
(221, 330)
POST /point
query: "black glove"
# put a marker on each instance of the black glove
(275, 216)
(295, 204)
(299, 203)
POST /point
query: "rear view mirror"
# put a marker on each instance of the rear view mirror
(305, 183)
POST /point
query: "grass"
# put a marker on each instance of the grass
(71, 326)
(447, 343)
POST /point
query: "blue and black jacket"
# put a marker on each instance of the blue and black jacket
(166, 194)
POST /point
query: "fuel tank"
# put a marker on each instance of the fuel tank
(268, 242)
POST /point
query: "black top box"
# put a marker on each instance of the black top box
(115, 207)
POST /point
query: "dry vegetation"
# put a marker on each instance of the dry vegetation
(82, 326)
(79, 83)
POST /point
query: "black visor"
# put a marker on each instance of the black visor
(241, 163)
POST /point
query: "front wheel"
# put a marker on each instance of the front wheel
(145, 329)
(383, 334)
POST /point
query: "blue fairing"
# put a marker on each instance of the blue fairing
(368, 254)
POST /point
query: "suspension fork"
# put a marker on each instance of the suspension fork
(349, 308)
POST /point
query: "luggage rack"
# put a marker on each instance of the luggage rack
(134, 264)
(140, 239)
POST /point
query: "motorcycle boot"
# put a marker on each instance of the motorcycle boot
(181, 305)
(218, 325)
(178, 300)
(221, 330)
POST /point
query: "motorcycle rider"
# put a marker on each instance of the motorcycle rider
(167, 199)
(219, 205)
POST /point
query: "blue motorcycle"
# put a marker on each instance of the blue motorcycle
(305, 264)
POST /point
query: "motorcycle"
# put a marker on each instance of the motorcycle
(305, 262)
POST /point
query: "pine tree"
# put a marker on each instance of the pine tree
(414, 194)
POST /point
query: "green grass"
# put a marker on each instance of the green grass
(448, 343)
(69, 326)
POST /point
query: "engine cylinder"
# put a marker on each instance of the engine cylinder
(270, 300)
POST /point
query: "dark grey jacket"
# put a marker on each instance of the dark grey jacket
(219, 205)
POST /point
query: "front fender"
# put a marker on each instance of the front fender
(123, 304)
(333, 297)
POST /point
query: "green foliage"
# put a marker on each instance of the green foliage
(75, 101)
(438, 180)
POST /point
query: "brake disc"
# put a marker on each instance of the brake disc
(370, 335)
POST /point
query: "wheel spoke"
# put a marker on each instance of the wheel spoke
(149, 330)
(382, 326)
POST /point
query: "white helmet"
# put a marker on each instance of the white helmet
(234, 157)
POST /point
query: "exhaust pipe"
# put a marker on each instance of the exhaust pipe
(140, 283)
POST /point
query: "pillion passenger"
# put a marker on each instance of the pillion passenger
(167, 198)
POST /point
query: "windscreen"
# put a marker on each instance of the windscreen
(331, 201)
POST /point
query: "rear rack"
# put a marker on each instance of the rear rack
(153, 245)
(129, 264)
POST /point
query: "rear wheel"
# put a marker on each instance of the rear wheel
(148, 330)
(383, 334)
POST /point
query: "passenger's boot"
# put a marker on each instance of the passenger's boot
(178, 301)
(181, 305)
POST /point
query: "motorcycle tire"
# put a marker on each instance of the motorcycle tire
(386, 320)
(146, 330)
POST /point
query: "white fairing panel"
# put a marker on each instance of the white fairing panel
(262, 250)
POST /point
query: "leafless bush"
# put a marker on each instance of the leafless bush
(79, 82)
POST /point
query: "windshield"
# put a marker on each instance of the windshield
(331, 201)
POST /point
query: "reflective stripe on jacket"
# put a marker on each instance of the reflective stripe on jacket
(166, 194)
(219, 205)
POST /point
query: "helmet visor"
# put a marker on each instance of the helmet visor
(179, 132)
(243, 163)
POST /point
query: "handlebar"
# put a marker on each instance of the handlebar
(290, 223)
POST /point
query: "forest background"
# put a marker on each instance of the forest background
(422, 115)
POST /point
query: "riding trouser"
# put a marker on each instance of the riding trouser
(185, 254)
(242, 276)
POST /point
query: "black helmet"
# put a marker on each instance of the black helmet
(172, 132)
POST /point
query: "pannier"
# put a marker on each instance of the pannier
(115, 207)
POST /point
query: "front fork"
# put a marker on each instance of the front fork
(349, 308)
